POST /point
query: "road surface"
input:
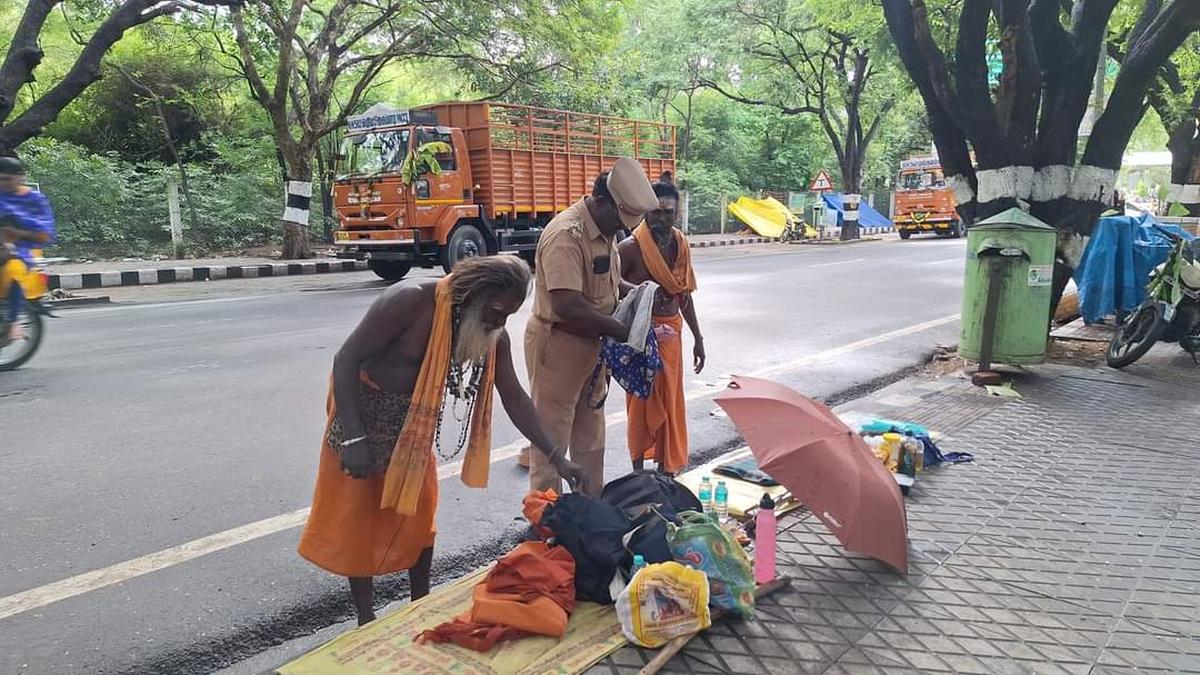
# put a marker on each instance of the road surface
(169, 443)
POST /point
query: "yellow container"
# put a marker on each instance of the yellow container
(893, 442)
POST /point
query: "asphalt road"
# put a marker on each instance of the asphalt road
(186, 412)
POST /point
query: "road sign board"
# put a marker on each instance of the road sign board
(822, 183)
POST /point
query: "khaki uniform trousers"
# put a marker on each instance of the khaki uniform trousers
(560, 367)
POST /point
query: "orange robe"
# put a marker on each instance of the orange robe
(381, 524)
(349, 535)
(657, 428)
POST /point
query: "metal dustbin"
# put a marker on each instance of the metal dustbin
(1006, 292)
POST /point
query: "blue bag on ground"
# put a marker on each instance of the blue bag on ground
(701, 544)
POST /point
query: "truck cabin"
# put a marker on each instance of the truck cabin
(910, 180)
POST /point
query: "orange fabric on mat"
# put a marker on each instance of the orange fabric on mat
(657, 428)
(531, 591)
(348, 534)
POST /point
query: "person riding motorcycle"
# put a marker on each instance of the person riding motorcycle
(26, 225)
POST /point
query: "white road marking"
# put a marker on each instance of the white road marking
(80, 584)
(944, 261)
(840, 262)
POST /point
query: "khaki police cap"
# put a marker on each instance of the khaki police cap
(631, 191)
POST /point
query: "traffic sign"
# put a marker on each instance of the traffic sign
(822, 183)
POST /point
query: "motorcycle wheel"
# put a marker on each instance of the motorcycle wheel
(14, 355)
(1136, 335)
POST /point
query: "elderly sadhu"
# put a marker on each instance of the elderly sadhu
(420, 351)
(659, 252)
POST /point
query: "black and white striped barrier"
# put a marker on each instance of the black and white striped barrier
(170, 275)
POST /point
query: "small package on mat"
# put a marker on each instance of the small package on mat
(663, 602)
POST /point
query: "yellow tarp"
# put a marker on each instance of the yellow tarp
(743, 496)
(386, 646)
(768, 216)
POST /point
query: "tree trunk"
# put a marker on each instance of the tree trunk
(297, 195)
(852, 168)
(1184, 144)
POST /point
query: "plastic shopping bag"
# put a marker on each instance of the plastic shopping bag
(663, 602)
(702, 544)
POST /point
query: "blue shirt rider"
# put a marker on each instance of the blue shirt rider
(26, 224)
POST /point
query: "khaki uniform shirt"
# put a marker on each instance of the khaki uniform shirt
(572, 254)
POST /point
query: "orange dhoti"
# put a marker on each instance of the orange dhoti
(657, 426)
(349, 534)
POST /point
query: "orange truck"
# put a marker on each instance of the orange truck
(924, 203)
(508, 171)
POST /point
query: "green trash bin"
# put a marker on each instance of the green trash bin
(1006, 293)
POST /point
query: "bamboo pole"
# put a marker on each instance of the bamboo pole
(675, 646)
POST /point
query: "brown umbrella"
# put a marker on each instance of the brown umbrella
(827, 467)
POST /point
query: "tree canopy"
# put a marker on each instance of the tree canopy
(244, 101)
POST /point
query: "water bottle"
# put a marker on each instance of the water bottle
(915, 448)
(721, 505)
(706, 497)
(638, 563)
(764, 540)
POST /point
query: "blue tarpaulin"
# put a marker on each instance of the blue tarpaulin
(867, 215)
(1117, 262)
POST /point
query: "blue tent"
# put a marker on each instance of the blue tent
(867, 216)
(1117, 262)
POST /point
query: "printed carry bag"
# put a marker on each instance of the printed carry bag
(663, 602)
(702, 544)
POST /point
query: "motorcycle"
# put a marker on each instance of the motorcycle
(34, 285)
(1171, 310)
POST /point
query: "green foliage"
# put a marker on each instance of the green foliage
(422, 160)
(106, 207)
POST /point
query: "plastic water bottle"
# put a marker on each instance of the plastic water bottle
(764, 540)
(638, 563)
(706, 496)
(721, 503)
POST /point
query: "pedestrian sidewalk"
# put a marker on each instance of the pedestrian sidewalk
(1071, 543)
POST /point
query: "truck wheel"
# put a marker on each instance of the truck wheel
(956, 230)
(389, 270)
(466, 241)
(905, 234)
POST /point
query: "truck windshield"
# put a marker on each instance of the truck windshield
(372, 153)
(921, 180)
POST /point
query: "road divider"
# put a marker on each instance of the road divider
(121, 572)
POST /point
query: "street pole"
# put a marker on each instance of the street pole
(687, 212)
(724, 208)
(176, 219)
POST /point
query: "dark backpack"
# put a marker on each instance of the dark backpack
(593, 532)
(641, 489)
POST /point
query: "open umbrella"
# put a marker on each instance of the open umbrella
(825, 465)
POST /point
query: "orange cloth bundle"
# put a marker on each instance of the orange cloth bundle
(530, 591)
(534, 505)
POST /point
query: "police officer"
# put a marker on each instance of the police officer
(578, 283)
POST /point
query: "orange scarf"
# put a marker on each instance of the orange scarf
(674, 281)
(406, 471)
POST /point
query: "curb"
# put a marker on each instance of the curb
(66, 303)
(731, 242)
(170, 275)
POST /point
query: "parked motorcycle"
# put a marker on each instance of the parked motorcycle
(1171, 310)
(34, 284)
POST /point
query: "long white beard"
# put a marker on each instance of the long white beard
(473, 342)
